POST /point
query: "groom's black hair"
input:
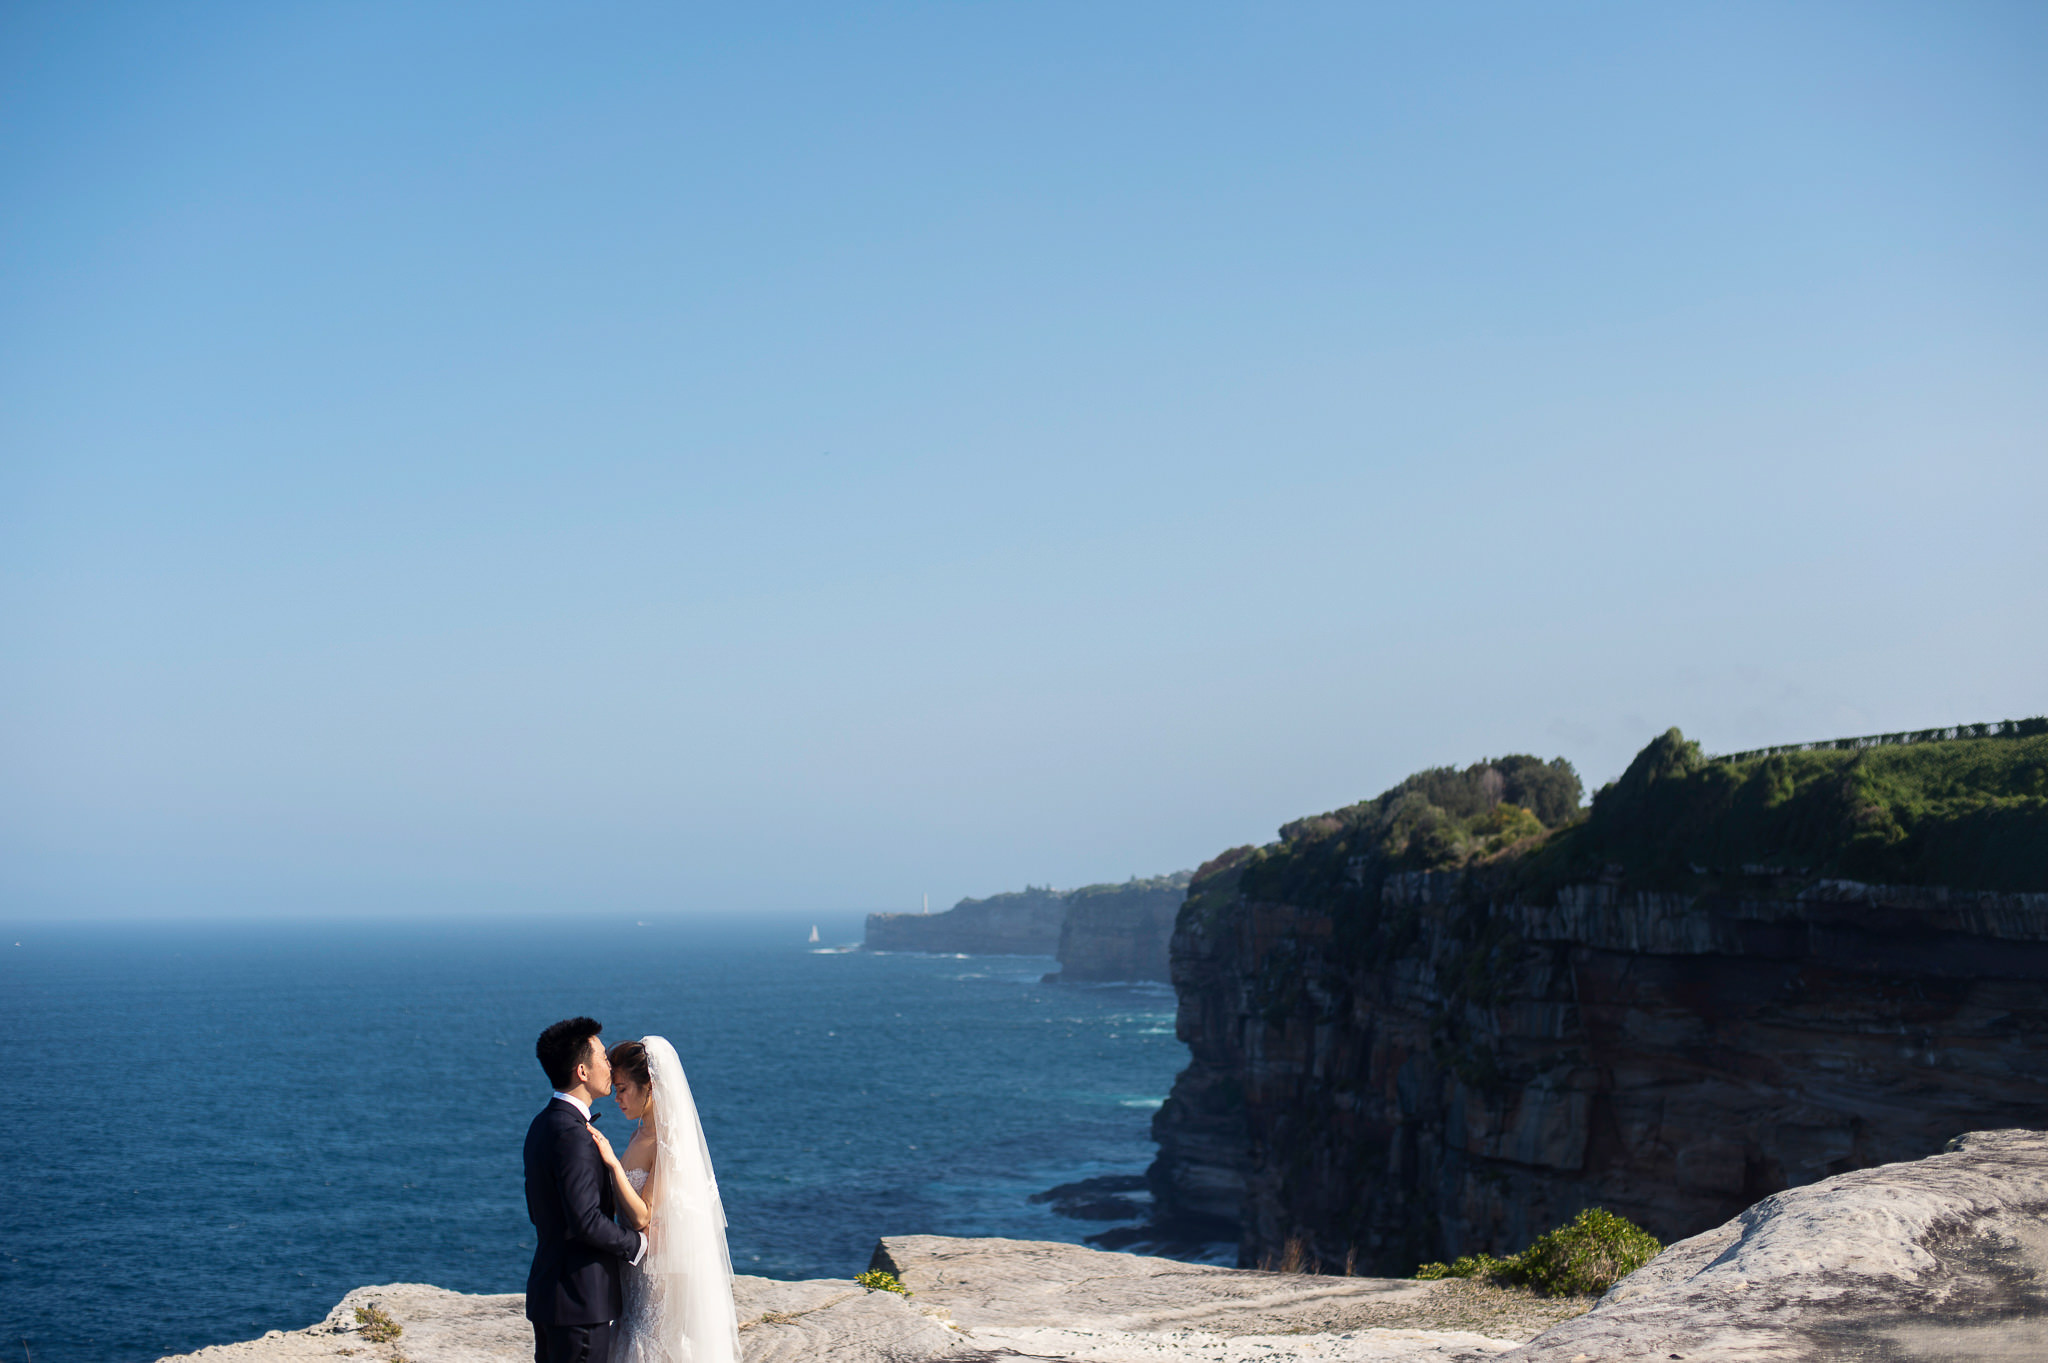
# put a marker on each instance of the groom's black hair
(564, 1046)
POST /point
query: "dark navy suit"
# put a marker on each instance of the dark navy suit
(572, 1292)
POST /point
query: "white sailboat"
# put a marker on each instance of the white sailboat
(814, 932)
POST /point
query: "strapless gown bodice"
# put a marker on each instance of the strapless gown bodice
(638, 1342)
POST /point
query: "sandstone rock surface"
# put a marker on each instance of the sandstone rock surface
(439, 1327)
(1937, 1259)
(1943, 1260)
(977, 1300)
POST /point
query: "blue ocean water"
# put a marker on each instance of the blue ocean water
(216, 1130)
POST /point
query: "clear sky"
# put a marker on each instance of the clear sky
(664, 459)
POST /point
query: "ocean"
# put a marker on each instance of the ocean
(214, 1130)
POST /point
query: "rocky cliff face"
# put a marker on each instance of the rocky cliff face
(1395, 1066)
(1120, 932)
(1099, 932)
(1022, 923)
(1672, 1058)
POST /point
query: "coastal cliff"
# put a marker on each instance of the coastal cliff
(1099, 932)
(1412, 1039)
(1121, 932)
(1021, 923)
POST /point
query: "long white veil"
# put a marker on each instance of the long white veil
(685, 1311)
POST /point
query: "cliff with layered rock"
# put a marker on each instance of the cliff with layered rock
(1099, 932)
(1445, 1020)
(1121, 932)
(1021, 923)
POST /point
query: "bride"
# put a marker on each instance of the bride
(679, 1300)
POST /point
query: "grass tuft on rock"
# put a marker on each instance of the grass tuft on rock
(1583, 1258)
(882, 1280)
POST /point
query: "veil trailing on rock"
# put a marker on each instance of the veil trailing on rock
(679, 1301)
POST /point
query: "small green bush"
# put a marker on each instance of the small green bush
(377, 1327)
(1592, 1253)
(1596, 1251)
(881, 1280)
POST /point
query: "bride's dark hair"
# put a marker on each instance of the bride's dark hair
(630, 1059)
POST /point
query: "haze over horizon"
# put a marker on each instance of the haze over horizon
(508, 458)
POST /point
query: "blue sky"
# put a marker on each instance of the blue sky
(504, 458)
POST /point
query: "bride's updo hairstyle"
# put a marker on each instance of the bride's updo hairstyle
(630, 1059)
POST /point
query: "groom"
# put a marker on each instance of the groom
(572, 1292)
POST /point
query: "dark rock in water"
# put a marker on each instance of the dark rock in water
(1090, 1187)
(1105, 1199)
(1148, 1239)
(1103, 1209)
(1098, 1199)
(1394, 1066)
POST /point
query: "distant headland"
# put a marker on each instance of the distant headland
(1098, 932)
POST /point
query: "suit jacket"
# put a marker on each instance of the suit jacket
(569, 1199)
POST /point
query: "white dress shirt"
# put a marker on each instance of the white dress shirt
(584, 1108)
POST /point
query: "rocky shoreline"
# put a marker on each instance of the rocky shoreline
(1944, 1258)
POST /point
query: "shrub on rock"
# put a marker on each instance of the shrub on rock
(1585, 1257)
(882, 1280)
(375, 1325)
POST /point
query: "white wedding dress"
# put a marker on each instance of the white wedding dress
(679, 1300)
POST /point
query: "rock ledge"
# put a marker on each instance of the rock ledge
(978, 1300)
(1934, 1259)
(1944, 1258)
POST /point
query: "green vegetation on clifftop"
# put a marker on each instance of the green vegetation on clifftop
(1968, 813)
(1435, 820)
(1444, 816)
